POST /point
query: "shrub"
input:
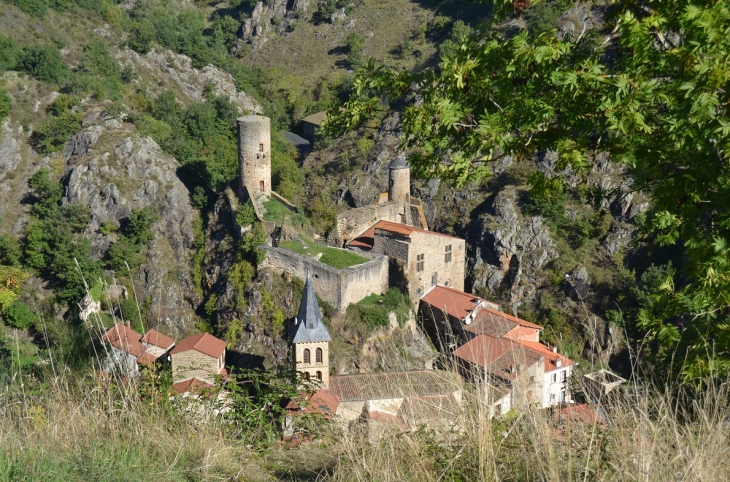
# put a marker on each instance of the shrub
(355, 45)
(5, 103)
(18, 315)
(44, 62)
(246, 214)
(9, 53)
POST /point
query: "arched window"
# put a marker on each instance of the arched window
(306, 375)
(318, 355)
(306, 357)
(319, 376)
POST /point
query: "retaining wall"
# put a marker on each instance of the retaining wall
(339, 287)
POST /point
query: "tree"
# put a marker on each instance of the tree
(655, 98)
(44, 62)
(18, 315)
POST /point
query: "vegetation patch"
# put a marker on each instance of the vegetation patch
(337, 258)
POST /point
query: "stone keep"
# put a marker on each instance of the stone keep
(399, 182)
(254, 155)
(310, 339)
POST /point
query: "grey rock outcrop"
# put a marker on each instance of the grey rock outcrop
(509, 250)
(193, 81)
(135, 173)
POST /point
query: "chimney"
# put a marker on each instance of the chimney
(558, 363)
(555, 349)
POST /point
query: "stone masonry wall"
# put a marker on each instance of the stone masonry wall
(192, 363)
(435, 267)
(339, 287)
(399, 187)
(254, 154)
(313, 367)
(354, 222)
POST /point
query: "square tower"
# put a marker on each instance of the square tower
(254, 155)
(310, 339)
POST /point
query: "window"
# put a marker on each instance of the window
(554, 377)
(552, 398)
(261, 147)
(319, 376)
(562, 396)
(447, 254)
(318, 355)
(306, 375)
(419, 262)
(261, 186)
(532, 379)
(563, 375)
(434, 278)
(306, 357)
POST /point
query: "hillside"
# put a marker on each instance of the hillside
(118, 173)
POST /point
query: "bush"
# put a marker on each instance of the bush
(5, 103)
(355, 45)
(18, 315)
(9, 53)
(44, 62)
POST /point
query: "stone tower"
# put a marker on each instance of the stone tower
(310, 339)
(399, 182)
(254, 155)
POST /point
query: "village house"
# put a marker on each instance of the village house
(311, 124)
(488, 344)
(199, 356)
(129, 349)
(422, 258)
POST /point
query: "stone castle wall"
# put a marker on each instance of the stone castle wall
(354, 222)
(339, 287)
(254, 154)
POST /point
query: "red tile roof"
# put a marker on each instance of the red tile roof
(367, 238)
(124, 338)
(379, 386)
(203, 343)
(454, 302)
(147, 358)
(519, 321)
(192, 385)
(551, 357)
(154, 337)
(488, 323)
(484, 350)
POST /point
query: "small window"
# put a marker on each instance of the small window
(447, 254)
(563, 375)
(552, 398)
(554, 377)
(532, 379)
(319, 376)
(306, 357)
(420, 262)
(318, 355)
(306, 375)
(261, 186)
(261, 147)
(562, 396)
(434, 278)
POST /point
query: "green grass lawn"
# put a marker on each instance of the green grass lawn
(337, 258)
(277, 212)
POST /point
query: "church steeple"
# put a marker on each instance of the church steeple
(310, 338)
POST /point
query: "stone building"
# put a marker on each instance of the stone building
(129, 349)
(493, 346)
(396, 205)
(254, 155)
(310, 339)
(199, 356)
(421, 258)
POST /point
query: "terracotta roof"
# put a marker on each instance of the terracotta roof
(379, 386)
(192, 385)
(124, 338)
(580, 413)
(154, 337)
(365, 240)
(488, 323)
(484, 350)
(147, 358)
(406, 230)
(519, 321)
(454, 302)
(204, 343)
(551, 357)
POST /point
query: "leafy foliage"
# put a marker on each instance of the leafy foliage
(18, 315)
(44, 62)
(656, 103)
(58, 126)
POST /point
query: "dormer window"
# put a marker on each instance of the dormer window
(261, 147)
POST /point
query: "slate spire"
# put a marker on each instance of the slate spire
(308, 326)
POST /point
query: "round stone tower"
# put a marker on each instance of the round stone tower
(254, 155)
(399, 182)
